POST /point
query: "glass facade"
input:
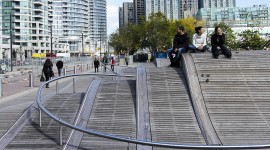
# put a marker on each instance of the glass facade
(258, 15)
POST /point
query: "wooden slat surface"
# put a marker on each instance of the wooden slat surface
(113, 112)
(236, 92)
(171, 115)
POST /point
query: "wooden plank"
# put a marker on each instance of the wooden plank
(83, 117)
(204, 121)
(142, 108)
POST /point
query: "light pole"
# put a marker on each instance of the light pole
(10, 23)
(82, 45)
(100, 48)
(51, 42)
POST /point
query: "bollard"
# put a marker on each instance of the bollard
(81, 68)
(1, 88)
(30, 80)
(65, 71)
(74, 85)
(74, 69)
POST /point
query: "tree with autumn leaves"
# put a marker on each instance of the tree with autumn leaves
(156, 34)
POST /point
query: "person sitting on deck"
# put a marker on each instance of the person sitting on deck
(199, 41)
(218, 44)
(180, 45)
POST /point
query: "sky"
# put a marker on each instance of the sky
(113, 5)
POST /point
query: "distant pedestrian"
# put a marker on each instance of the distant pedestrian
(96, 64)
(126, 60)
(59, 66)
(112, 64)
(180, 45)
(218, 44)
(47, 70)
(105, 62)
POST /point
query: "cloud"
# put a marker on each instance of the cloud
(112, 18)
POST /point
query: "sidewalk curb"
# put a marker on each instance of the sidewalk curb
(7, 98)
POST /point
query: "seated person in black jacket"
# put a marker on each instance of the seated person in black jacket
(218, 44)
(180, 45)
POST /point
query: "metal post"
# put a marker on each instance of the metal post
(82, 45)
(100, 48)
(51, 42)
(74, 85)
(40, 117)
(65, 71)
(87, 66)
(81, 68)
(30, 80)
(1, 88)
(11, 41)
(60, 135)
(57, 87)
(75, 70)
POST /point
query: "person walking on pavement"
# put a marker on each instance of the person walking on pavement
(126, 60)
(218, 44)
(47, 70)
(96, 64)
(180, 45)
(59, 66)
(112, 64)
(105, 61)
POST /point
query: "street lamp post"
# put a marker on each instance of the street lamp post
(10, 23)
(82, 45)
(100, 48)
(51, 42)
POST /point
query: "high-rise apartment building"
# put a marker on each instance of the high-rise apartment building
(173, 9)
(97, 26)
(139, 10)
(128, 13)
(217, 3)
(121, 17)
(258, 15)
(29, 27)
(77, 26)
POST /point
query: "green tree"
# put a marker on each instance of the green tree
(231, 40)
(155, 32)
(250, 40)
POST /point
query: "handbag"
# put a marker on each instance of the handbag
(42, 79)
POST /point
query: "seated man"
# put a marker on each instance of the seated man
(180, 45)
(199, 41)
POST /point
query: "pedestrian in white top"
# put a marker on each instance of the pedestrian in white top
(199, 41)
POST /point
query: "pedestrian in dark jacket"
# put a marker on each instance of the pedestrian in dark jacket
(47, 70)
(180, 45)
(218, 44)
(96, 64)
(59, 66)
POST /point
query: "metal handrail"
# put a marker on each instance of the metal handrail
(131, 140)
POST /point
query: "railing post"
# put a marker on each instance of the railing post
(30, 80)
(1, 88)
(73, 85)
(57, 87)
(40, 117)
(60, 135)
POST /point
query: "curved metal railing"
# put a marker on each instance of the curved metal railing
(127, 139)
